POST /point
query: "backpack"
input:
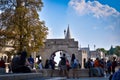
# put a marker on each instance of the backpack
(75, 64)
(63, 61)
(89, 64)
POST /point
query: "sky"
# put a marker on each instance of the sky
(91, 22)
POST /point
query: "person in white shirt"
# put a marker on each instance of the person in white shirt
(40, 65)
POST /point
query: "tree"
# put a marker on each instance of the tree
(20, 25)
(103, 50)
(117, 50)
(111, 51)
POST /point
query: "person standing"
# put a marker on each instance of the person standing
(97, 67)
(52, 63)
(90, 67)
(68, 65)
(40, 65)
(114, 64)
(74, 65)
(47, 64)
(109, 67)
(63, 66)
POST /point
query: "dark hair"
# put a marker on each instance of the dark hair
(114, 58)
(73, 57)
(64, 55)
(24, 54)
(23, 58)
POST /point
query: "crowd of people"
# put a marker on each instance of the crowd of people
(99, 67)
(20, 63)
(23, 64)
(64, 65)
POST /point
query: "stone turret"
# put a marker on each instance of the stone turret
(68, 35)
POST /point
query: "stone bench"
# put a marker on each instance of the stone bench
(20, 76)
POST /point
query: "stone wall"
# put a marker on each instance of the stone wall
(69, 46)
(56, 73)
(20, 76)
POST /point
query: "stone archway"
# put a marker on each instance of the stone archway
(52, 45)
(59, 54)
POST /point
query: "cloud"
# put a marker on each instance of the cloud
(93, 7)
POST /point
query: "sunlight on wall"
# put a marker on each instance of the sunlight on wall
(57, 57)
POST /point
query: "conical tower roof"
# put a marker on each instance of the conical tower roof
(68, 35)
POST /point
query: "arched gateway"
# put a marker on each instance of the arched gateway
(68, 45)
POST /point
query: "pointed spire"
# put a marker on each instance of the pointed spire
(68, 36)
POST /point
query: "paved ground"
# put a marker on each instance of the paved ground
(64, 78)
